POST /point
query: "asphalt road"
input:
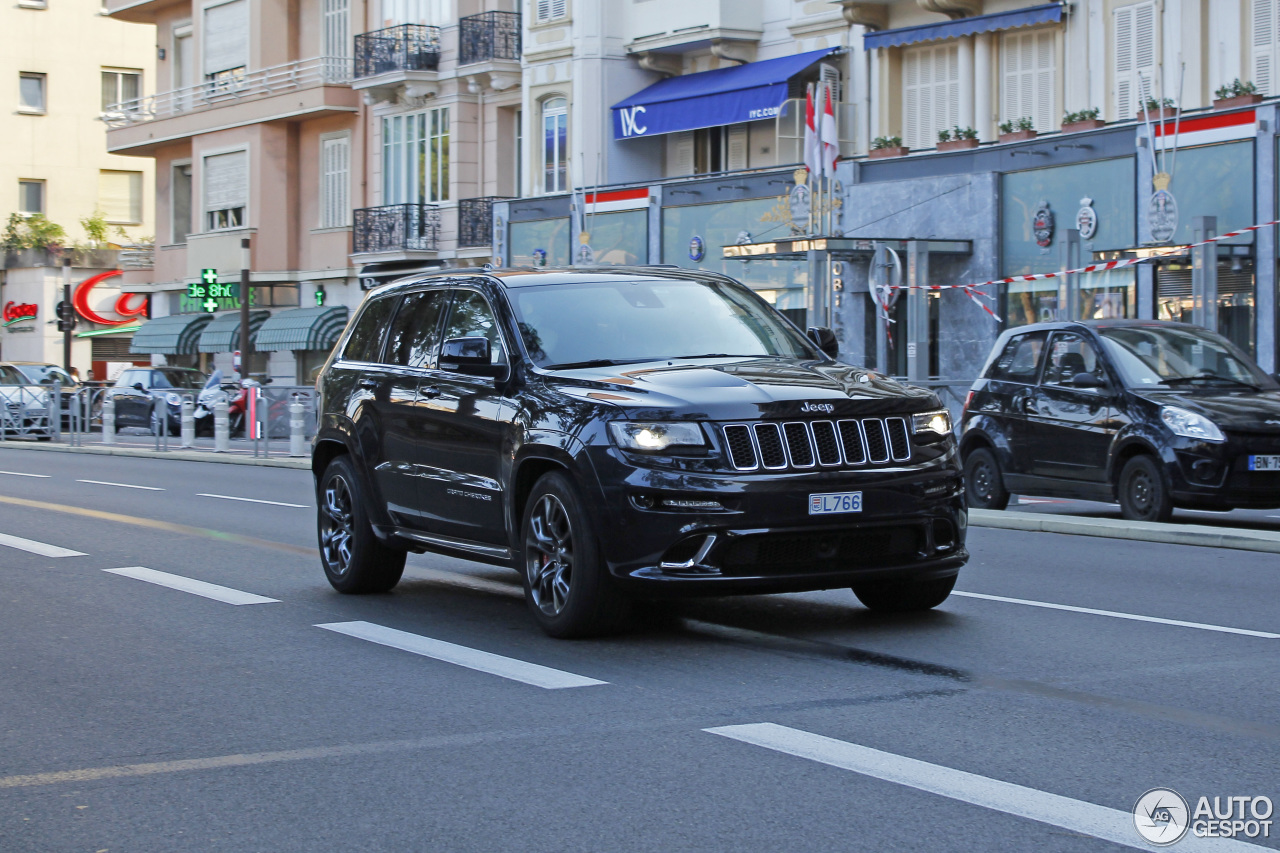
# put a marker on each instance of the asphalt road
(139, 715)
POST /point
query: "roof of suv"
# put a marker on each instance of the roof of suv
(530, 276)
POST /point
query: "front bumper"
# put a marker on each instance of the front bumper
(1217, 476)
(763, 539)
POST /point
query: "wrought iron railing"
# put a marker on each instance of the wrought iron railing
(397, 227)
(232, 87)
(408, 47)
(475, 220)
(489, 35)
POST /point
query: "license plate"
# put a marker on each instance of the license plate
(834, 502)
(1264, 463)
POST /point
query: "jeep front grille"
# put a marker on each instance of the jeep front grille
(817, 444)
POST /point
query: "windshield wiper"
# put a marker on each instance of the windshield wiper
(596, 362)
(721, 355)
(1174, 380)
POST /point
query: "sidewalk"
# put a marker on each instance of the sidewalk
(140, 444)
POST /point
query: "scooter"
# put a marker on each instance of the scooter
(214, 390)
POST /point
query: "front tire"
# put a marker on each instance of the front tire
(1142, 491)
(983, 483)
(567, 587)
(904, 596)
(354, 561)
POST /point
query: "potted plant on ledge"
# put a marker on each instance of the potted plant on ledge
(1157, 109)
(1083, 120)
(1015, 130)
(1236, 94)
(957, 138)
(888, 146)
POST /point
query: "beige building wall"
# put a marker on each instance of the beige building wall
(71, 44)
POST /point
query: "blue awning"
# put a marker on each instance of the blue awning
(711, 98)
(1048, 13)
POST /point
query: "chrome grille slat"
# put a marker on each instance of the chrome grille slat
(799, 445)
(769, 440)
(899, 438)
(741, 447)
(827, 442)
(855, 449)
(877, 440)
(803, 445)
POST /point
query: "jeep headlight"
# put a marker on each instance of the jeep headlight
(1190, 425)
(937, 422)
(655, 437)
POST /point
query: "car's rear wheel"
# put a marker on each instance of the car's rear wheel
(354, 560)
(1142, 491)
(904, 596)
(983, 484)
(567, 587)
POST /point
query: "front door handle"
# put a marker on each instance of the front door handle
(1029, 406)
(430, 392)
(368, 383)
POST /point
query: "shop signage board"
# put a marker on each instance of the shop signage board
(210, 295)
(20, 316)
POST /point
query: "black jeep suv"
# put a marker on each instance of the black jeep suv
(635, 432)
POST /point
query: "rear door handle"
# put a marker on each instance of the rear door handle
(368, 383)
(430, 392)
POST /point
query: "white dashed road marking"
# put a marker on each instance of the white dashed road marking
(1075, 815)
(249, 500)
(20, 474)
(504, 667)
(225, 594)
(1177, 623)
(41, 548)
(122, 485)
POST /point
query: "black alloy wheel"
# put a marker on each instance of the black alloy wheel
(566, 585)
(983, 485)
(354, 560)
(904, 596)
(1142, 491)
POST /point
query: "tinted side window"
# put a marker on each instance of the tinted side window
(1020, 358)
(10, 376)
(159, 380)
(1070, 354)
(365, 343)
(415, 334)
(471, 317)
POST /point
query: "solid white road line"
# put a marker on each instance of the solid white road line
(122, 485)
(504, 667)
(41, 548)
(195, 587)
(1178, 623)
(20, 474)
(249, 500)
(1074, 815)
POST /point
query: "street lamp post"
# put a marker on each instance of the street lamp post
(246, 345)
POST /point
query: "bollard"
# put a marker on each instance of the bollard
(108, 419)
(221, 427)
(55, 412)
(297, 433)
(188, 423)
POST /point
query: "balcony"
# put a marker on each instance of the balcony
(475, 221)
(397, 229)
(307, 88)
(409, 47)
(489, 36)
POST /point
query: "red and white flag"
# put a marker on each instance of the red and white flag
(812, 146)
(830, 137)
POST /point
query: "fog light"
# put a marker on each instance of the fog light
(1204, 470)
(644, 501)
(683, 503)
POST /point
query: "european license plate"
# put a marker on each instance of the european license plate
(834, 502)
(1264, 463)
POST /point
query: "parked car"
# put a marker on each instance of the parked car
(45, 373)
(1149, 413)
(637, 432)
(26, 405)
(136, 388)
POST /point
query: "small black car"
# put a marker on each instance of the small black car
(622, 433)
(136, 390)
(1151, 413)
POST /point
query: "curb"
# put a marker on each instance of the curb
(1202, 535)
(176, 455)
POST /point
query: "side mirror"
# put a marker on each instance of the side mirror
(825, 339)
(138, 387)
(471, 357)
(1087, 380)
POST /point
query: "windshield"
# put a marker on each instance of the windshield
(179, 379)
(46, 374)
(626, 322)
(1177, 356)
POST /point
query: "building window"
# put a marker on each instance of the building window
(555, 145)
(550, 10)
(415, 157)
(226, 44)
(930, 93)
(31, 196)
(119, 87)
(519, 170)
(432, 12)
(1135, 58)
(120, 196)
(31, 97)
(335, 178)
(1266, 45)
(1028, 83)
(180, 202)
(226, 190)
(336, 39)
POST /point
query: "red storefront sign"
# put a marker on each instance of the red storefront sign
(126, 313)
(16, 312)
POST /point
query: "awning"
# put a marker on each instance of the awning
(176, 334)
(711, 98)
(1048, 13)
(223, 333)
(302, 328)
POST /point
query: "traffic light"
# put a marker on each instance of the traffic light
(66, 317)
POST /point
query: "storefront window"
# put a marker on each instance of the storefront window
(540, 242)
(619, 238)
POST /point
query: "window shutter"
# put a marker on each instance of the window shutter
(931, 93)
(1264, 45)
(1029, 78)
(1046, 72)
(911, 98)
(549, 10)
(737, 147)
(830, 75)
(337, 29)
(680, 153)
(335, 156)
(120, 195)
(1125, 103)
(1144, 49)
(226, 181)
(226, 36)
